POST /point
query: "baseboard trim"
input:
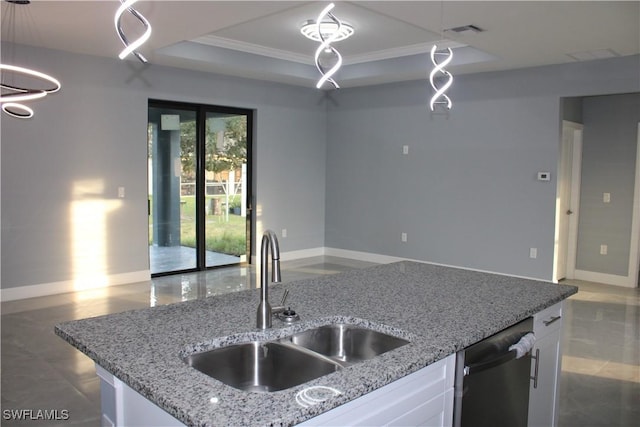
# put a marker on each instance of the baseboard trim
(386, 259)
(362, 256)
(302, 253)
(607, 279)
(65, 286)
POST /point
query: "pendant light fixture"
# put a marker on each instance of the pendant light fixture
(327, 32)
(441, 86)
(19, 84)
(440, 79)
(130, 47)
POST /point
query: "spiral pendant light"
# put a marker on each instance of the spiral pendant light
(440, 79)
(440, 86)
(130, 47)
(20, 84)
(326, 48)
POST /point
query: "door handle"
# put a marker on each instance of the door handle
(569, 211)
(535, 368)
(551, 320)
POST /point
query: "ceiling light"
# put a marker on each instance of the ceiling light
(130, 47)
(440, 97)
(326, 47)
(310, 30)
(13, 94)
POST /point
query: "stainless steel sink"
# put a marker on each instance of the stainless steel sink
(277, 365)
(345, 343)
(261, 366)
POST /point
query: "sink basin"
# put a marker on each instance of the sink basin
(261, 366)
(347, 344)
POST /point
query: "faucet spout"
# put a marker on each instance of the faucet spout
(269, 239)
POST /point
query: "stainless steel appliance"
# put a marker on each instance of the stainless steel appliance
(492, 384)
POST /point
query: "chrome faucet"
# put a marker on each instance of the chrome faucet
(264, 309)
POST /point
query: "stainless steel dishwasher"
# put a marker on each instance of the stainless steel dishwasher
(492, 384)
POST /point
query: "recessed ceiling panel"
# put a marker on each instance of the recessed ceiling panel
(373, 31)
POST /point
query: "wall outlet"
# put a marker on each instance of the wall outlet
(533, 252)
(284, 232)
(405, 149)
(121, 192)
(403, 237)
(603, 249)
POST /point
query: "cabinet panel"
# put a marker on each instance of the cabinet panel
(543, 394)
(543, 397)
(421, 398)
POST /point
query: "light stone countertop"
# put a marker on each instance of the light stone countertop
(439, 309)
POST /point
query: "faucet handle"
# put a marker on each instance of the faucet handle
(284, 296)
(280, 308)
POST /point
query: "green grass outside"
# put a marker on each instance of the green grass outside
(221, 236)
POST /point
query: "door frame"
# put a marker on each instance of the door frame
(200, 197)
(576, 170)
(631, 279)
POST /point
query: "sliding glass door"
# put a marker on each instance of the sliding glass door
(199, 169)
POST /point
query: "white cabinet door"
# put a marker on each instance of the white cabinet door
(543, 394)
(424, 398)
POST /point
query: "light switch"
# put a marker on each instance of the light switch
(606, 197)
(405, 149)
(121, 192)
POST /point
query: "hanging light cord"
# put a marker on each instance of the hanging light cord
(130, 47)
(327, 47)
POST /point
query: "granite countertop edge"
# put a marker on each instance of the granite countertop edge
(100, 337)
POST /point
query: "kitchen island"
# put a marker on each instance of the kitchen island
(440, 310)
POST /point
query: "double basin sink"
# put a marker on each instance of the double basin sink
(268, 366)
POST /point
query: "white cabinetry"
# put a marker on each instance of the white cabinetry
(123, 406)
(545, 368)
(424, 398)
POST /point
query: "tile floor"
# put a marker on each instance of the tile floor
(600, 384)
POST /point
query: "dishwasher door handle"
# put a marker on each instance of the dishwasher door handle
(500, 359)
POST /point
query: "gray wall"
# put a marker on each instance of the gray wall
(467, 193)
(572, 109)
(608, 166)
(90, 138)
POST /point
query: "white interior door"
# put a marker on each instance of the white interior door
(567, 201)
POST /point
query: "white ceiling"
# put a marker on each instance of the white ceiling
(261, 39)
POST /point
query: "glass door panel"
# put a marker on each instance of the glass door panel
(172, 141)
(225, 188)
